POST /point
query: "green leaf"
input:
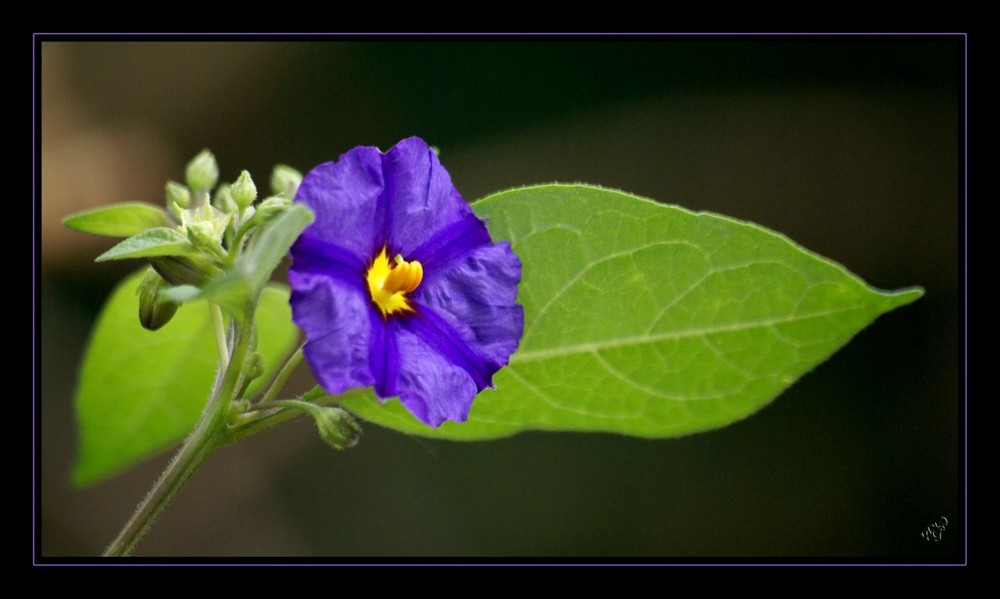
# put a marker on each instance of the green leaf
(250, 274)
(650, 320)
(161, 241)
(118, 220)
(142, 391)
(181, 293)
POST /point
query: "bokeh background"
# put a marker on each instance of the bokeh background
(850, 146)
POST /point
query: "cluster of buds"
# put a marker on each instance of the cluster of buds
(218, 221)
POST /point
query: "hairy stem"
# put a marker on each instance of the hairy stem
(282, 375)
(275, 412)
(207, 436)
(220, 335)
(236, 245)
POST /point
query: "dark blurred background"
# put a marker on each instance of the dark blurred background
(849, 146)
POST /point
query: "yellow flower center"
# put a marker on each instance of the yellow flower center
(389, 282)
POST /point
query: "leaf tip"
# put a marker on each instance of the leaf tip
(908, 295)
(897, 298)
(70, 221)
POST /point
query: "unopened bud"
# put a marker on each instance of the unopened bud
(285, 180)
(202, 172)
(244, 191)
(336, 427)
(255, 366)
(175, 210)
(237, 408)
(268, 209)
(154, 311)
(178, 194)
(186, 270)
(223, 200)
(203, 235)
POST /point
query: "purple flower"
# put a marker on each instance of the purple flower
(398, 285)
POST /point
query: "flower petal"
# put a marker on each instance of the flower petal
(454, 242)
(312, 255)
(423, 199)
(431, 387)
(444, 340)
(475, 296)
(384, 353)
(346, 197)
(335, 318)
(464, 324)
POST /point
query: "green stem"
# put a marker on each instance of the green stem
(220, 335)
(281, 377)
(208, 435)
(234, 247)
(275, 412)
(304, 406)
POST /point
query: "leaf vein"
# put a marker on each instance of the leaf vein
(612, 256)
(522, 357)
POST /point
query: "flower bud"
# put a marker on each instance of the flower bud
(186, 270)
(178, 194)
(244, 191)
(336, 427)
(203, 235)
(285, 180)
(223, 199)
(154, 311)
(268, 209)
(175, 209)
(237, 408)
(255, 366)
(205, 226)
(202, 172)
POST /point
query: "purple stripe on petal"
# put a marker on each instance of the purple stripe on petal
(454, 242)
(383, 354)
(424, 199)
(311, 255)
(476, 297)
(445, 340)
(430, 386)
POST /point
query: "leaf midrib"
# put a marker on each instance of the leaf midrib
(523, 357)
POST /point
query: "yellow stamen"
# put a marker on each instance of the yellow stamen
(389, 283)
(404, 277)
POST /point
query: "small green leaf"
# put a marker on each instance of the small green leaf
(118, 220)
(141, 391)
(161, 241)
(271, 244)
(251, 273)
(232, 293)
(181, 293)
(650, 320)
